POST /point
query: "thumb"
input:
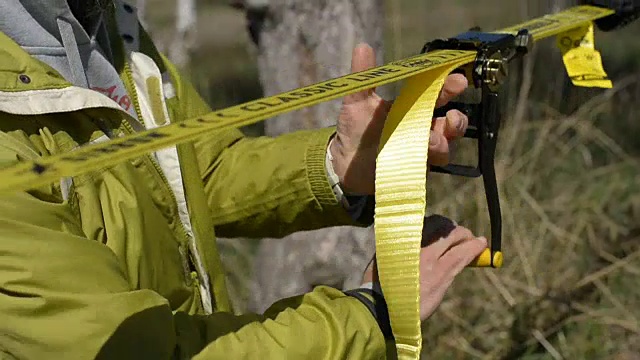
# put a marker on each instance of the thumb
(362, 58)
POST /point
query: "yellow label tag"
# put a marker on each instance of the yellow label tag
(581, 59)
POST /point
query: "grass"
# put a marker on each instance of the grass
(571, 248)
(568, 175)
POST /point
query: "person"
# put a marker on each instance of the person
(122, 262)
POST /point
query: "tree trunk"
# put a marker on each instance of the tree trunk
(142, 12)
(185, 34)
(303, 42)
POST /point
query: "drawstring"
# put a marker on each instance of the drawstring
(79, 76)
(78, 73)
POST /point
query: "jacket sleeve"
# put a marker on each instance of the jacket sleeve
(264, 186)
(64, 296)
(271, 187)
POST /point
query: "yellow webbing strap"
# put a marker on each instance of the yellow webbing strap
(401, 164)
(401, 177)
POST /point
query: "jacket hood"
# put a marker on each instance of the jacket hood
(43, 18)
(49, 32)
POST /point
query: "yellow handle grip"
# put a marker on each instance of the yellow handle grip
(484, 259)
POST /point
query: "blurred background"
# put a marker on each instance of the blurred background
(567, 168)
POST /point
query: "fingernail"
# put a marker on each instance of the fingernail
(483, 239)
(459, 123)
(433, 140)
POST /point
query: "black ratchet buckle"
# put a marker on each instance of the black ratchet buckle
(486, 73)
(626, 11)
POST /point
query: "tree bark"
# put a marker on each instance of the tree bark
(185, 33)
(142, 12)
(301, 42)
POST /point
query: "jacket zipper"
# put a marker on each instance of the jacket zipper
(157, 168)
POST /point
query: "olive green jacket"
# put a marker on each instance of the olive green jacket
(122, 263)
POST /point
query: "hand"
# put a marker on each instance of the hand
(362, 118)
(446, 250)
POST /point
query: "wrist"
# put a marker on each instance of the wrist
(341, 158)
(334, 179)
(359, 207)
(373, 286)
(377, 306)
(337, 156)
(354, 167)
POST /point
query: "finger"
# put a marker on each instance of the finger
(438, 124)
(462, 254)
(454, 261)
(438, 143)
(362, 58)
(438, 149)
(454, 85)
(440, 247)
(455, 124)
